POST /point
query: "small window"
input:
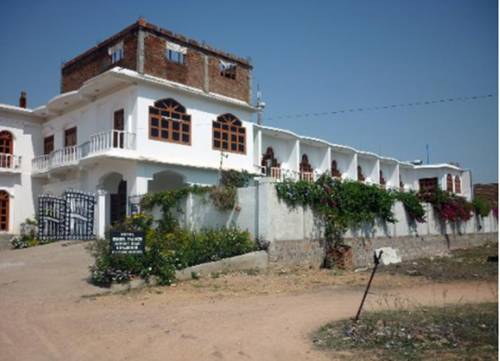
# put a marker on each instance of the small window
(48, 144)
(70, 137)
(116, 53)
(175, 57)
(428, 185)
(227, 69)
(176, 53)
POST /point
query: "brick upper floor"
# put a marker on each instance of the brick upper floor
(151, 50)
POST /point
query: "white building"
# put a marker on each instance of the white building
(147, 110)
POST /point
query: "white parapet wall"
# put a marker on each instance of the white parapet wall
(294, 235)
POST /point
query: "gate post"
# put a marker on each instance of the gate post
(100, 218)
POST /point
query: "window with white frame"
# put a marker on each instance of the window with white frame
(116, 52)
(176, 53)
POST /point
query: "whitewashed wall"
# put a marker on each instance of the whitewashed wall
(92, 118)
(268, 218)
(203, 112)
(26, 132)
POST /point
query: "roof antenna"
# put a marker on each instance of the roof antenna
(427, 152)
(260, 105)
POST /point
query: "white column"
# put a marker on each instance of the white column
(376, 178)
(100, 216)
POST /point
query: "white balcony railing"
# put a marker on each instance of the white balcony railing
(9, 161)
(98, 143)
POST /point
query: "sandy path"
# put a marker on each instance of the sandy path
(45, 318)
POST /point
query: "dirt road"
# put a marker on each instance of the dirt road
(43, 315)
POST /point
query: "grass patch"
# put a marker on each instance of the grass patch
(460, 332)
(464, 264)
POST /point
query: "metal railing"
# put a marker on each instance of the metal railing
(9, 161)
(100, 142)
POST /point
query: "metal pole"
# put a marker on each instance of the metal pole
(376, 260)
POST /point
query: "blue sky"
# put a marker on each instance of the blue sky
(309, 57)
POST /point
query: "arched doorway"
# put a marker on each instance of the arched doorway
(270, 165)
(4, 211)
(6, 149)
(116, 202)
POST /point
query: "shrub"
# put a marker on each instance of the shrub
(412, 205)
(224, 198)
(481, 207)
(340, 205)
(166, 252)
(449, 207)
(233, 178)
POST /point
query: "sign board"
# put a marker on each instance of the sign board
(127, 243)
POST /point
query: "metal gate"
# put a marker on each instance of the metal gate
(68, 217)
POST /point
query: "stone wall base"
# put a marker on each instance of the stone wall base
(310, 253)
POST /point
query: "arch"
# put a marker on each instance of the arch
(361, 176)
(381, 178)
(170, 104)
(305, 166)
(6, 142)
(401, 184)
(4, 210)
(449, 183)
(165, 180)
(169, 122)
(335, 170)
(116, 188)
(270, 165)
(229, 134)
(458, 184)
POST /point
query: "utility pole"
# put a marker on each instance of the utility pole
(260, 106)
(427, 151)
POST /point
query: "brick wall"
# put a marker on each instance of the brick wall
(238, 88)
(77, 71)
(155, 63)
(193, 73)
(488, 192)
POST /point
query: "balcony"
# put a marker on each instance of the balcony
(10, 163)
(281, 174)
(99, 143)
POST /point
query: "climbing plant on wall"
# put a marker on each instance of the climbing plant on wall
(339, 204)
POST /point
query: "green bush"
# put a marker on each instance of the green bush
(166, 252)
(482, 207)
(412, 205)
(339, 204)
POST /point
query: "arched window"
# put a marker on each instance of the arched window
(229, 134)
(449, 183)
(361, 176)
(169, 122)
(6, 149)
(269, 161)
(304, 166)
(335, 169)
(382, 179)
(401, 184)
(4, 211)
(458, 184)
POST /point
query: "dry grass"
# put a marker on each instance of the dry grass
(461, 265)
(460, 332)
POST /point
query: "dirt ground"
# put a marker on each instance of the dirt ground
(49, 312)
